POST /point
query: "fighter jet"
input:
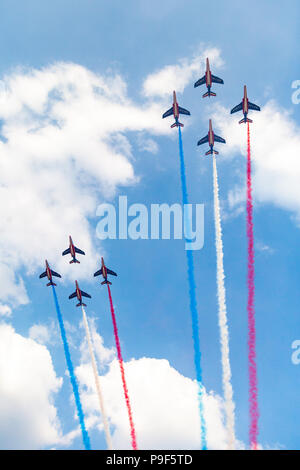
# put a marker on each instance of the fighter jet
(176, 110)
(244, 106)
(72, 250)
(79, 294)
(104, 271)
(208, 79)
(211, 138)
(49, 273)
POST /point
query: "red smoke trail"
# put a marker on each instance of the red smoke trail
(254, 414)
(132, 429)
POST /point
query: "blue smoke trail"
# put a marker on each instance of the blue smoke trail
(193, 301)
(85, 436)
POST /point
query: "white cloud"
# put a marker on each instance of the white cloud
(164, 406)
(28, 415)
(12, 286)
(5, 310)
(178, 76)
(146, 144)
(164, 402)
(63, 149)
(40, 334)
(263, 247)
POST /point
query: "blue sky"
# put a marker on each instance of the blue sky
(257, 46)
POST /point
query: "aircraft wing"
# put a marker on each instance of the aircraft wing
(216, 79)
(97, 273)
(54, 273)
(84, 294)
(203, 140)
(168, 113)
(66, 252)
(199, 82)
(43, 275)
(237, 108)
(77, 250)
(219, 139)
(109, 271)
(183, 111)
(253, 106)
(73, 295)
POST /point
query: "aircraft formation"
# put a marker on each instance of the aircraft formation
(210, 138)
(72, 250)
(79, 294)
(208, 79)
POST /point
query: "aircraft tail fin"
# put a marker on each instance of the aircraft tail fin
(209, 93)
(245, 120)
(80, 303)
(177, 124)
(51, 284)
(74, 261)
(211, 152)
(106, 281)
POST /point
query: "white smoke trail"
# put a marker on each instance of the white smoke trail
(226, 371)
(97, 382)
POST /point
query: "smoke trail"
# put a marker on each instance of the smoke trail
(132, 428)
(97, 382)
(224, 338)
(254, 414)
(85, 436)
(193, 302)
